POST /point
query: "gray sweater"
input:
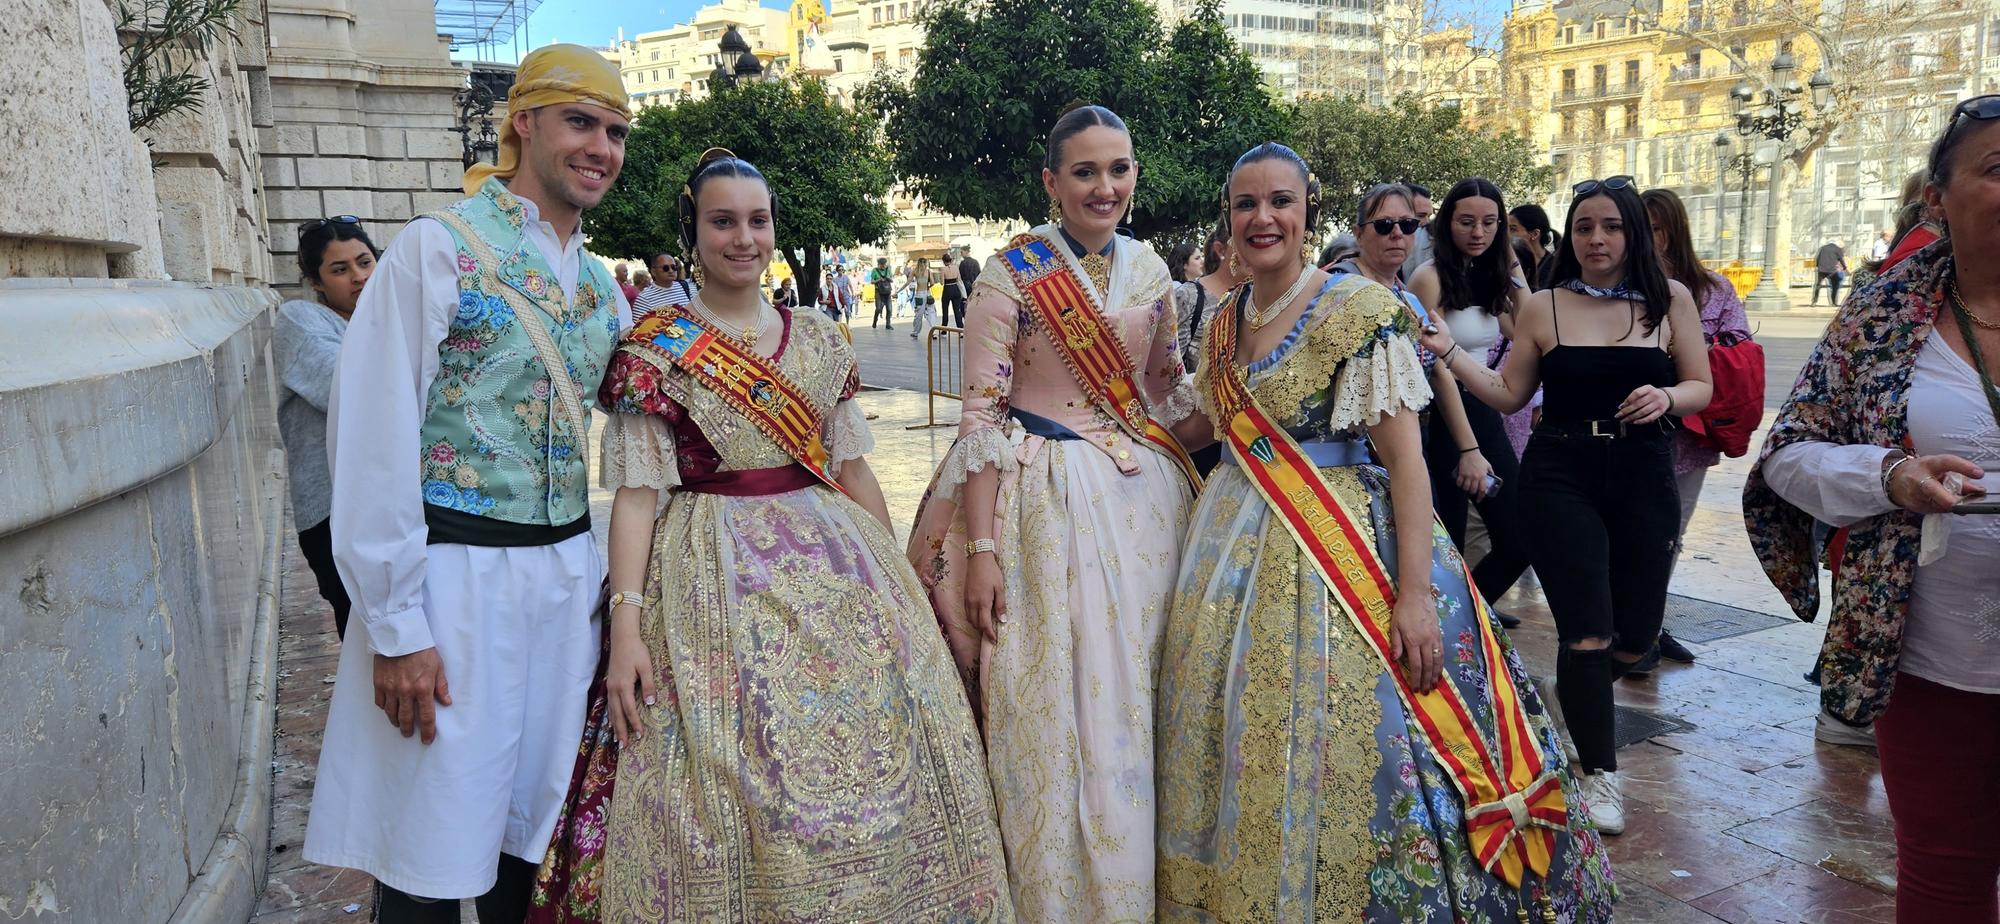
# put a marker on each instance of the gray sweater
(307, 346)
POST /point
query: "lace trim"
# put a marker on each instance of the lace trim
(1181, 403)
(974, 451)
(847, 433)
(1389, 378)
(638, 452)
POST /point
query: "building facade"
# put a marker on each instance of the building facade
(1370, 49)
(1615, 87)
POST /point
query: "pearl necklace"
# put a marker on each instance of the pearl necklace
(748, 336)
(1265, 315)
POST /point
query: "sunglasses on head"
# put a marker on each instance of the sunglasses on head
(1978, 107)
(1587, 187)
(318, 223)
(1405, 225)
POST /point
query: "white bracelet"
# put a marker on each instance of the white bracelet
(627, 596)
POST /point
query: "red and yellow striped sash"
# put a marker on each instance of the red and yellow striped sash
(1515, 803)
(1088, 346)
(749, 383)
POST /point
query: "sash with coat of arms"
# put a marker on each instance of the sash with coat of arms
(747, 381)
(1088, 346)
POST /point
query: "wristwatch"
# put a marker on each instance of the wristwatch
(977, 546)
(626, 596)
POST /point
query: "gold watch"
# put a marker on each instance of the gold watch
(626, 596)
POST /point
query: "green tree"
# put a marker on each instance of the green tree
(825, 163)
(1353, 146)
(969, 129)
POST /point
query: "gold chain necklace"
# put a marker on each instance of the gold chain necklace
(748, 336)
(1959, 302)
(1265, 315)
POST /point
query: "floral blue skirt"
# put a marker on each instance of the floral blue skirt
(1292, 784)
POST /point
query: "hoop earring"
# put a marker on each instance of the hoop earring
(1055, 211)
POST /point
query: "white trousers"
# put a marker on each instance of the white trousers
(516, 630)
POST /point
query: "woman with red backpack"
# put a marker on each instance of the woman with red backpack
(1726, 424)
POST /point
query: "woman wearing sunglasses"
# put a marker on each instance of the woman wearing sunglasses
(335, 260)
(1617, 350)
(1893, 420)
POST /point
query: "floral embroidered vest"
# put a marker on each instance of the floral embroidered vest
(495, 442)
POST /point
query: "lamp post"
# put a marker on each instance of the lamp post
(477, 140)
(1781, 115)
(736, 64)
(1721, 187)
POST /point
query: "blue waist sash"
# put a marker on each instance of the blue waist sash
(1324, 453)
(1037, 425)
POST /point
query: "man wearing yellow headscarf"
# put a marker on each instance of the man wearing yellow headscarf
(461, 523)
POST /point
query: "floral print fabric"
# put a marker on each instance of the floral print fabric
(1854, 390)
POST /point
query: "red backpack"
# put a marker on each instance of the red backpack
(1736, 363)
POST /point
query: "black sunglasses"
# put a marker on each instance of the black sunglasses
(1405, 225)
(1587, 187)
(1978, 107)
(309, 227)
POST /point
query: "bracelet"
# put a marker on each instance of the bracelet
(1670, 402)
(1889, 474)
(1445, 360)
(1464, 451)
(977, 546)
(626, 596)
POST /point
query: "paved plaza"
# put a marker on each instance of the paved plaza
(1735, 812)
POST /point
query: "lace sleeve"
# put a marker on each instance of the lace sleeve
(847, 433)
(638, 452)
(1386, 377)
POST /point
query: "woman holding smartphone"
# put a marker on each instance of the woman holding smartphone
(1890, 430)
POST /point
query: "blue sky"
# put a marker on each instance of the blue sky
(596, 22)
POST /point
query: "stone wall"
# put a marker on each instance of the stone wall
(363, 115)
(142, 504)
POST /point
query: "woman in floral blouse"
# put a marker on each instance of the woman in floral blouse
(1891, 424)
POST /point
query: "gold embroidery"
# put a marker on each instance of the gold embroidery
(1098, 267)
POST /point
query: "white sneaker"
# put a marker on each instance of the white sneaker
(1606, 802)
(1834, 731)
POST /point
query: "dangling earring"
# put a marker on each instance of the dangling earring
(1235, 265)
(1055, 211)
(1130, 207)
(1306, 252)
(694, 268)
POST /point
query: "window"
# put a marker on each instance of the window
(1632, 121)
(1631, 75)
(902, 11)
(1569, 81)
(881, 60)
(1694, 59)
(840, 65)
(656, 56)
(1569, 35)
(1993, 39)
(1845, 175)
(1569, 125)
(1598, 28)
(904, 57)
(1597, 72)
(656, 75)
(1691, 106)
(878, 15)
(670, 73)
(1597, 122)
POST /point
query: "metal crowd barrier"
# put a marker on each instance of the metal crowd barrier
(944, 371)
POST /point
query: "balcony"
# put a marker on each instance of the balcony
(1690, 74)
(1572, 95)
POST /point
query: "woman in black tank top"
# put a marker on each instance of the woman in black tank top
(1617, 350)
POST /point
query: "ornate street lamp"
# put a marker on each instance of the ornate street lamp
(1721, 187)
(735, 51)
(477, 139)
(1781, 114)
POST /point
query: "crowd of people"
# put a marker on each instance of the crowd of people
(1195, 621)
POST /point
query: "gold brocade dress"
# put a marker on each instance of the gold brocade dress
(811, 757)
(1293, 783)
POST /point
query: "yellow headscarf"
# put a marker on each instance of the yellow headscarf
(548, 75)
